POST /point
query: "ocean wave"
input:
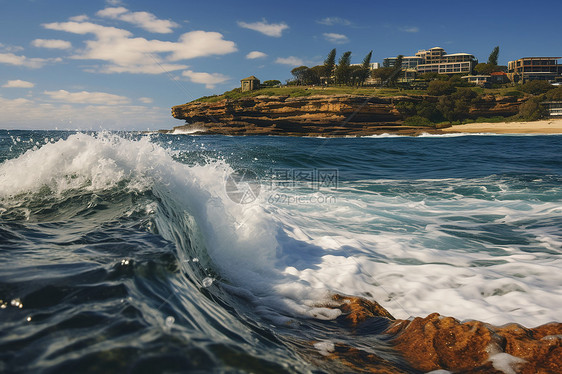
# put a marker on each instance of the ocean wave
(467, 248)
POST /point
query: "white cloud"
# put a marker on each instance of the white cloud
(146, 100)
(80, 18)
(209, 80)
(199, 44)
(269, 29)
(51, 43)
(291, 60)
(125, 54)
(10, 48)
(85, 97)
(82, 28)
(33, 63)
(412, 29)
(18, 84)
(113, 13)
(331, 21)
(145, 20)
(255, 54)
(332, 37)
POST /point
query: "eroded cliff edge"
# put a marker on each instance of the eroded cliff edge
(320, 115)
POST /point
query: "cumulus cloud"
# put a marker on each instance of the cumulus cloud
(51, 43)
(332, 37)
(269, 29)
(412, 29)
(255, 54)
(291, 60)
(80, 18)
(33, 63)
(331, 21)
(85, 97)
(201, 43)
(144, 20)
(146, 100)
(18, 84)
(124, 53)
(209, 80)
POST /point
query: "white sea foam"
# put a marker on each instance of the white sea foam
(189, 131)
(414, 256)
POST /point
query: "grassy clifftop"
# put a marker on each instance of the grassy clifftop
(299, 91)
(306, 91)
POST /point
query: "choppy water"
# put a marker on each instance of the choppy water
(137, 253)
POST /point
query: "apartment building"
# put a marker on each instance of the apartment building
(372, 65)
(408, 62)
(436, 60)
(535, 68)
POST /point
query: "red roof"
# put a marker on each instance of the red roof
(498, 73)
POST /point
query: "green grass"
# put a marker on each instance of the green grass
(302, 92)
(297, 91)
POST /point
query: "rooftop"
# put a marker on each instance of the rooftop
(539, 58)
(457, 54)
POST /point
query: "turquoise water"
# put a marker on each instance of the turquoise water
(153, 253)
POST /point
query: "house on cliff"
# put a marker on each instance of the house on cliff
(249, 84)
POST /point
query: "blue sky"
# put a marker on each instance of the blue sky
(121, 64)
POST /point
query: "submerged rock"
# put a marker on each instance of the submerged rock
(444, 343)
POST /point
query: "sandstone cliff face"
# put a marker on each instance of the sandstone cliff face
(335, 115)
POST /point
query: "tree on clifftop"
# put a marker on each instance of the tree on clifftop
(492, 64)
(301, 74)
(342, 70)
(329, 64)
(363, 73)
(493, 58)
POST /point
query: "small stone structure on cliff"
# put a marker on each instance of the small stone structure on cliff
(249, 84)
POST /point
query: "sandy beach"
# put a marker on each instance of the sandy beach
(548, 126)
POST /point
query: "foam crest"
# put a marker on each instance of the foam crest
(81, 161)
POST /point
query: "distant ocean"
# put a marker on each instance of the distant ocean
(127, 252)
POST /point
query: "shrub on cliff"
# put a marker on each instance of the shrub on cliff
(456, 107)
(536, 87)
(271, 83)
(431, 76)
(555, 94)
(424, 109)
(440, 88)
(532, 110)
(417, 121)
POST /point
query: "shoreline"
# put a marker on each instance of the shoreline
(552, 126)
(544, 126)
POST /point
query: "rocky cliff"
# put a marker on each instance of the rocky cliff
(334, 115)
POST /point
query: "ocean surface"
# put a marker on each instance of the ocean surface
(127, 252)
